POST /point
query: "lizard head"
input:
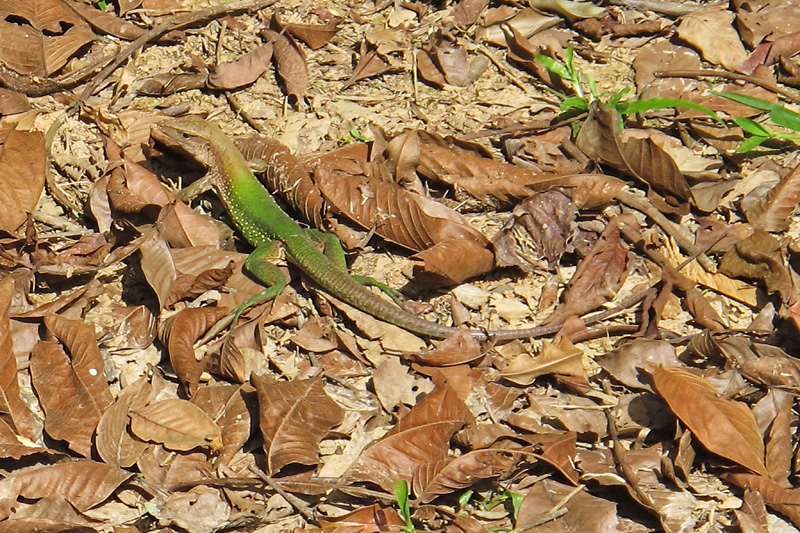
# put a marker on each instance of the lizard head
(189, 135)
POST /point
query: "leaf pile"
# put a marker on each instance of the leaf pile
(485, 159)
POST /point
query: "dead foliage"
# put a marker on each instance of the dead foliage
(485, 159)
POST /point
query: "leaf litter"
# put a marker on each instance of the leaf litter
(500, 165)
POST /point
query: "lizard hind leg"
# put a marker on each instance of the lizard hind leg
(259, 265)
(332, 248)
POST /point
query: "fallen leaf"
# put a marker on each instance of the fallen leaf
(712, 32)
(420, 437)
(22, 167)
(294, 417)
(559, 357)
(71, 413)
(725, 427)
(177, 424)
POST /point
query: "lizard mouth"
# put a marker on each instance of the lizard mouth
(181, 143)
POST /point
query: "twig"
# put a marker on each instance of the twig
(33, 86)
(666, 7)
(293, 500)
(541, 520)
(728, 75)
(669, 228)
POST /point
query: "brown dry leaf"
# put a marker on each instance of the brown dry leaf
(402, 157)
(467, 12)
(105, 22)
(759, 257)
(13, 409)
(712, 33)
(395, 386)
(243, 71)
(12, 102)
(158, 267)
(228, 406)
(290, 61)
(71, 413)
(597, 28)
(399, 216)
(559, 357)
(14, 446)
(314, 35)
(83, 483)
(294, 416)
(446, 477)
(451, 262)
(22, 168)
(568, 8)
(538, 232)
(772, 211)
(370, 63)
(459, 348)
(177, 424)
(725, 427)
(599, 139)
(586, 513)
(179, 333)
(374, 518)
(445, 63)
(779, 437)
(633, 363)
(114, 442)
(200, 261)
(420, 437)
(525, 22)
(599, 275)
(491, 181)
(87, 361)
(785, 501)
(181, 226)
(39, 37)
(771, 21)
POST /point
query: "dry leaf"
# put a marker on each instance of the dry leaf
(22, 167)
(294, 417)
(559, 357)
(724, 427)
(177, 424)
(420, 437)
(39, 37)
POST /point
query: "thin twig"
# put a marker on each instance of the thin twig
(293, 500)
(666, 7)
(33, 86)
(730, 76)
(669, 228)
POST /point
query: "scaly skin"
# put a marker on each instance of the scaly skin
(261, 220)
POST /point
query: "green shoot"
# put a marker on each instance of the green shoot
(102, 5)
(778, 115)
(513, 497)
(400, 488)
(580, 102)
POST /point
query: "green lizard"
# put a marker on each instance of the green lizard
(265, 226)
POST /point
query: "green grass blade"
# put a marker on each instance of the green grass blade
(554, 66)
(575, 102)
(653, 104)
(752, 127)
(786, 118)
(750, 143)
(750, 101)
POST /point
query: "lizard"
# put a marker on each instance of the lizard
(265, 225)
